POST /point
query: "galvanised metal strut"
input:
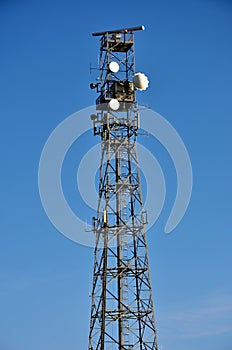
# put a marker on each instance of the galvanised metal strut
(122, 312)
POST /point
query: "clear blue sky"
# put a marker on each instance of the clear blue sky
(46, 48)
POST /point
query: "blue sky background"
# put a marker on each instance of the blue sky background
(46, 48)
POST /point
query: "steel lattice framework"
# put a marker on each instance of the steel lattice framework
(122, 312)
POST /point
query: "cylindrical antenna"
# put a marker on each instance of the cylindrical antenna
(124, 30)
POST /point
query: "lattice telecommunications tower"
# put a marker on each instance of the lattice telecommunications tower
(122, 312)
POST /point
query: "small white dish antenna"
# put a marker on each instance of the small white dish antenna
(141, 81)
(114, 67)
(114, 104)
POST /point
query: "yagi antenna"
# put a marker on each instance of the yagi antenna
(124, 30)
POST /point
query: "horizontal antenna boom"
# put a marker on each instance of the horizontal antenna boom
(125, 30)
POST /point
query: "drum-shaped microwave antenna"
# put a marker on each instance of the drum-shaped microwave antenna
(141, 82)
(114, 104)
(114, 67)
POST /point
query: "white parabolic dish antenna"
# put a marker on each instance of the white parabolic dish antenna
(114, 67)
(114, 104)
(141, 81)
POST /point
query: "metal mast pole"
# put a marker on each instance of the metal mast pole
(119, 251)
(122, 312)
